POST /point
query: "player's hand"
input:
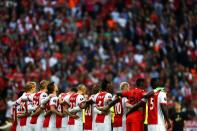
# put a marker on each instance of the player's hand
(104, 108)
(105, 112)
(75, 117)
(168, 124)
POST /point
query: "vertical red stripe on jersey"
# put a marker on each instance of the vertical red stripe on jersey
(59, 118)
(46, 121)
(23, 120)
(118, 110)
(47, 117)
(73, 97)
(36, 103)
(100, 102)
(58, 121)
(153, 109)
(88, 118)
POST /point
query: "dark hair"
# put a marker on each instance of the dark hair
(95, 89)
(74, 89)
(50, 87)
(43, 84)
(104, 84)
(140, 82)
(154, 82)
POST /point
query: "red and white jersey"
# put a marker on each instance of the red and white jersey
(25, 106)
(61, 121)
(89, 116)
(37, 99)
(155, 115)
(102, 99)
(50, 119)
(75, 102)
(120, 111)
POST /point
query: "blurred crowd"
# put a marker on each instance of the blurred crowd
(83, 41)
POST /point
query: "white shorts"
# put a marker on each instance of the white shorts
(156, 128)
(49, 129)
(118, 129)
(18, 128)
(26, 128)
(39, 125)
(75, 128)
(62, 129)
(102, 127)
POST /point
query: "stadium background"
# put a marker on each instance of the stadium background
(83, 41)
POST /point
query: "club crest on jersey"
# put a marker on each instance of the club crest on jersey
(81, 99)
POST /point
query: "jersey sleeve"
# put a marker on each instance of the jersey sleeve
(125, 100)
(80, 100)
(53, 101)
(43, 96)
(66, 100)
(95, 110)
(162, 98)
(144, 100)
(108, 98)
(114, 97)
(94, 98)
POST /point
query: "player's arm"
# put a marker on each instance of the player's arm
(66, 112)
(164, 108)
(112, 103)
(96, 110)
(81, 104)
(134, 107)
(53, 110)
(87, 103)
(23, 115)
(151, 93)
(37, 111)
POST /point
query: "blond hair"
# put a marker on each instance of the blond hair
(30, 85)
(123, 84)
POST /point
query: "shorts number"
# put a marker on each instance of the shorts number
(118, 109)
(151, 103)
(88, 111)
(72, 104)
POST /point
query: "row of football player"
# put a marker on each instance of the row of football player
(76, 111)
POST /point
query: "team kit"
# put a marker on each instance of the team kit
(41, 108)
